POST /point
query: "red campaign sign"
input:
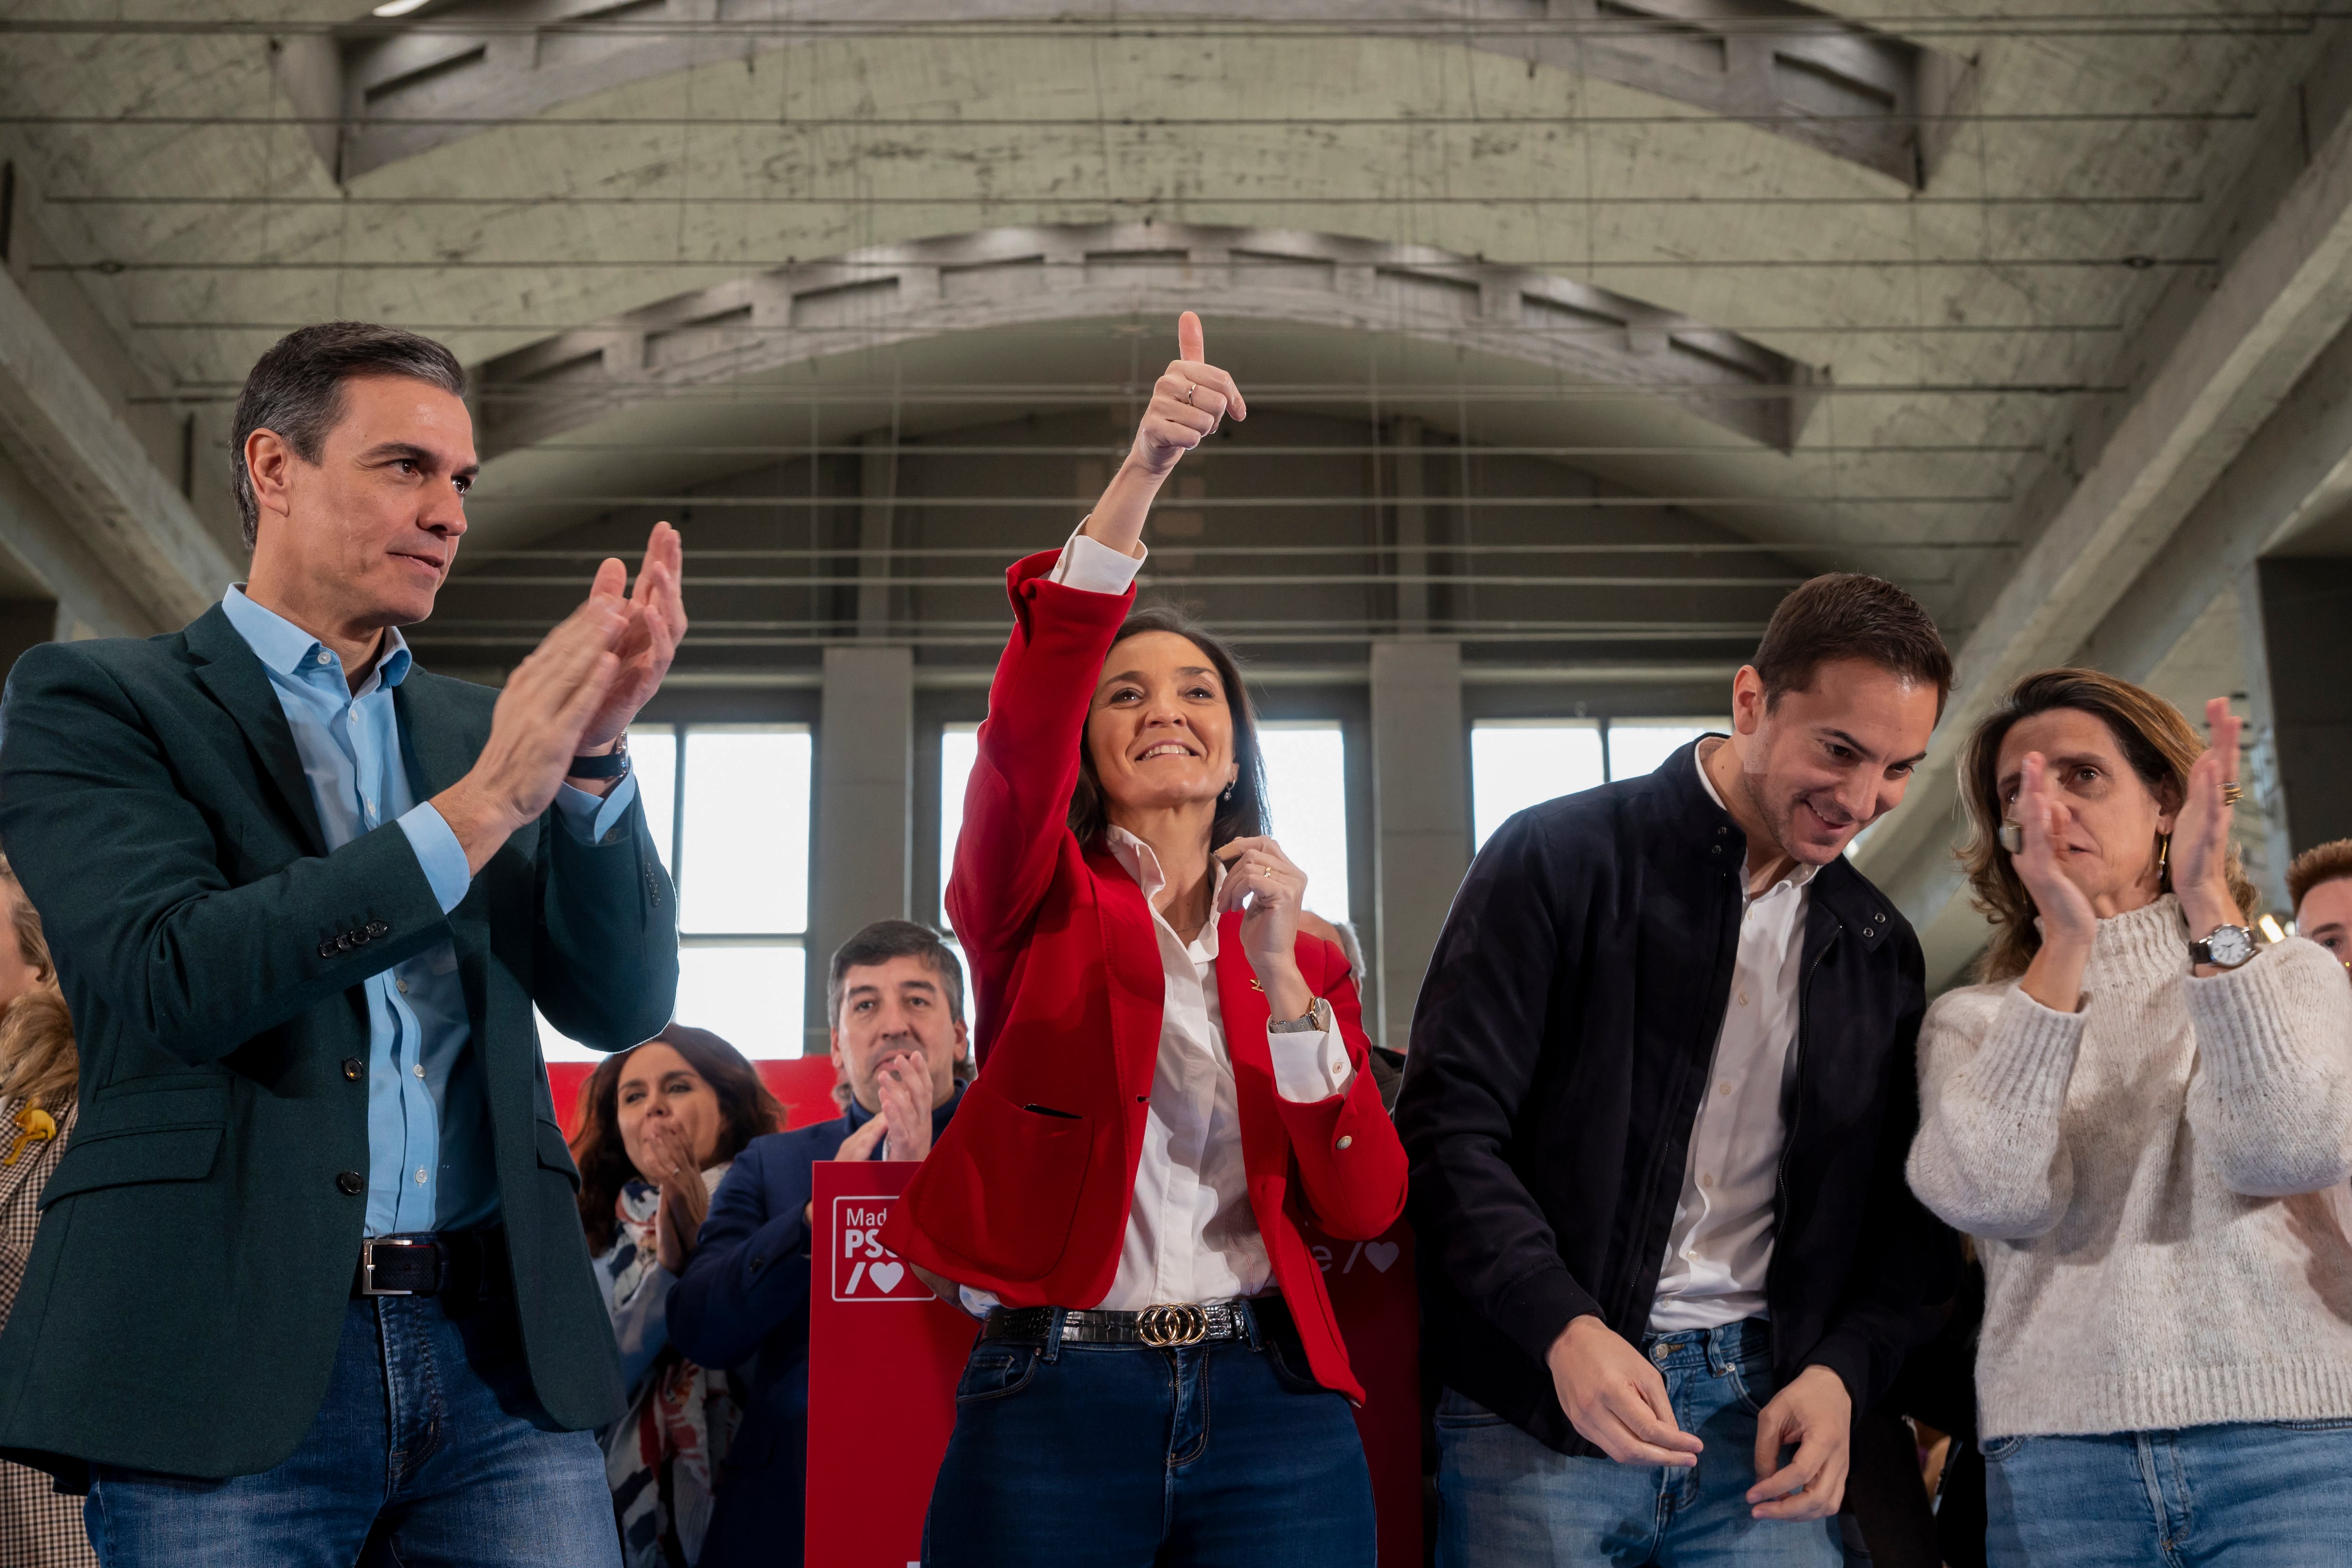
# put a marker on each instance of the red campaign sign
(885, 1354)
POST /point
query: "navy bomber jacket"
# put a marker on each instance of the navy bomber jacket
(1560, 1047)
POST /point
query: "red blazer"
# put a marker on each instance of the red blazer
(1026, 1193)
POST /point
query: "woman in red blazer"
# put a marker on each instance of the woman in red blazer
(1173, 1076)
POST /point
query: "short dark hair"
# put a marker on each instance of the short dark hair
(2329, 862)
(1847, 615)
(296, 390)
(884, 941)
(1241, 815)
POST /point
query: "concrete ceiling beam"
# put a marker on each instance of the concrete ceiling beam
(1036, 274)
(1807, 75)
(2209, 406)
(109, 531)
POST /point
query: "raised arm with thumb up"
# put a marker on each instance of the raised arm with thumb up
(1190, 400)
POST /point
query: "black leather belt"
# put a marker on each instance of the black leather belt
(1154, 1328)
(448, 1263)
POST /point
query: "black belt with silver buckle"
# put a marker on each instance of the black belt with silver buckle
(1154, 1328)
(450, 1263)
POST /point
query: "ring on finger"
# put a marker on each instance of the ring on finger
(2231, 792)
(1190, 389)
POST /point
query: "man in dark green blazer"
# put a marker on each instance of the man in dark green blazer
(309, 1282)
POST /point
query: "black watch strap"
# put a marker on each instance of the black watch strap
(612, 765)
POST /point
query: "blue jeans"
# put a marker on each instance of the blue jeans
(430, 1451)
(1121, 1456)
(1505, 1501)
(2245, 1495)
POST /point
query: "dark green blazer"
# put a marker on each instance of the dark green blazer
(181, 1308)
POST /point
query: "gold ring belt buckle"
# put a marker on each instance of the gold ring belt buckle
(1165, 1328)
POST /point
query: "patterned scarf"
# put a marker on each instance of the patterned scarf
(661, 1458)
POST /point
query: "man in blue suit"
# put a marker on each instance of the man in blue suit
(895, 994)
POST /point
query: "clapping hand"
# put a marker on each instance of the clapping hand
(656, 609)
(2069, 923)
(2200, 832)
(904, 1082)
(685, 1200)
(575, 692)
(2041, 818)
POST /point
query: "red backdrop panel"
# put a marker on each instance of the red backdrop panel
(885, 1354)
(803, 1083)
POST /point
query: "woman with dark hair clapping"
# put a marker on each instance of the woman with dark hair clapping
(1173, 1076)
(658, 1127)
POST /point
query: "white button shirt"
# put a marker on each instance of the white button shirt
(1720, 1246)
(1190, 1234)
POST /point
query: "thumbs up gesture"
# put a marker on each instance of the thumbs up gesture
(1190, 400)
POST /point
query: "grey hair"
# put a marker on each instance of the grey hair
(296, 390)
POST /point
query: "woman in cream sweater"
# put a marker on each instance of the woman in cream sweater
(2137, 1115)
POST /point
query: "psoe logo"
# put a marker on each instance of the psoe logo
(862, 1269)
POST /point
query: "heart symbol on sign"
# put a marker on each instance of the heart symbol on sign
(886, 1275)
(1381, 1255)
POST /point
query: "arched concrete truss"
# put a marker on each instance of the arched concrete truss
(1872, 97)
(1584, 336)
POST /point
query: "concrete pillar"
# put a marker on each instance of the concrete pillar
(1421, 815)
(864, 805)
(2306, 637)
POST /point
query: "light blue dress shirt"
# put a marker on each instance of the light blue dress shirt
(430, 1165)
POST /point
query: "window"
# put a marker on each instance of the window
(1637, 746)
(728, 805)
(1307, 806)
(1519, 762)
(959, 749)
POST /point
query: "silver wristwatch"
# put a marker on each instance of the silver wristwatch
(2227, 948)
(1316, 1020)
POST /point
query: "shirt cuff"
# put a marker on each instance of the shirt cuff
(1091, 565)
(588, 818)
(1308, 1066)
(438, 852)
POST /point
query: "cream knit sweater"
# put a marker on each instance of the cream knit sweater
(2131, 1172)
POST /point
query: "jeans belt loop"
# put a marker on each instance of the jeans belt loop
(1250, 1324)
(1052, 1335)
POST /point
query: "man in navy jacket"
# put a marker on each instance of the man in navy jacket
(895, 994)
(1657, 1102)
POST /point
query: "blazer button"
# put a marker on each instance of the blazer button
(350, 1184)
(353, 1068)
(1346, 1140)
(377, 928)
(327, 949)
(346, 941)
